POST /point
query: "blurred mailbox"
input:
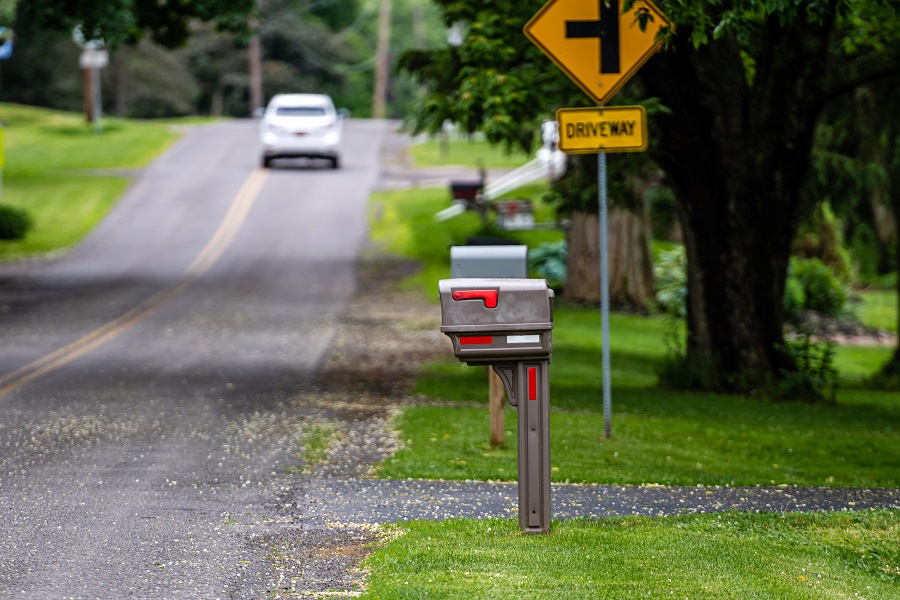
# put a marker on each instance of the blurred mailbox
(489, 261)
(507, 323)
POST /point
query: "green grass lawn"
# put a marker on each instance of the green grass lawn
(429, 241)
(879, 309)
(731, 555)
(47, 156)
(659, 435)
(468, 153)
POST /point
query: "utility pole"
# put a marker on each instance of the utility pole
(254, 59)
(418, 15)
(382, 61)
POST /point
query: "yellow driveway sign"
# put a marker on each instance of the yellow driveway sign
(611, 129)
(596, 45)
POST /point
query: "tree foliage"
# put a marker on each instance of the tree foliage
(741, 86)
(853, 172)
(496, 81)
(747, 85)
(7, 12)
(118, 21)
(308, 45)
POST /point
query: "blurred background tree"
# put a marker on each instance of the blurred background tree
(183, 58)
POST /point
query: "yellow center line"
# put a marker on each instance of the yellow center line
(209, 256)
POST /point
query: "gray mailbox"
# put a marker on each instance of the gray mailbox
(489, 261)
(493, 320)
(507, 323)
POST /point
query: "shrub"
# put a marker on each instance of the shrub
(670, 272)
(816, 376)
(549, 261)
(15, 223)
(823, 292)
(662, 212)
(794, 299)
(811, 286)
(866, 250)
(823, 240)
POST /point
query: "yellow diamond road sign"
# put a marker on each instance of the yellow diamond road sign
(611, 129)
(596, 45)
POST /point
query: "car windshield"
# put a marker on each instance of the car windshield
(300, 111)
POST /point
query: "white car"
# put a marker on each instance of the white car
(301, 126)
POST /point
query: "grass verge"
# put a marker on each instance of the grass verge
(433, 152)
(47, 156)
(402, 223)
(879, 309)
(660, 436)
(779, 556)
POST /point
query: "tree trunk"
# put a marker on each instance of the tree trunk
(630, 263)
(583, 259)
(217, 103)
(891, 370)
(736, 154)
(87, 95)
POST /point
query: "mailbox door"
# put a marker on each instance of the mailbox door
(486, 347)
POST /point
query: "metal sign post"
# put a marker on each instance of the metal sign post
(599, 47)
(604, 293)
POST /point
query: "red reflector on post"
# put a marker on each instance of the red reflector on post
(475, 340)
(532, 383)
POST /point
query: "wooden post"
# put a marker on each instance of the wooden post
(88, 95)
(496, 399)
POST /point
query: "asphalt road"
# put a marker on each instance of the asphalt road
(147, 378)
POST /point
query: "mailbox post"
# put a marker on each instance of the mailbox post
(506, 324)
